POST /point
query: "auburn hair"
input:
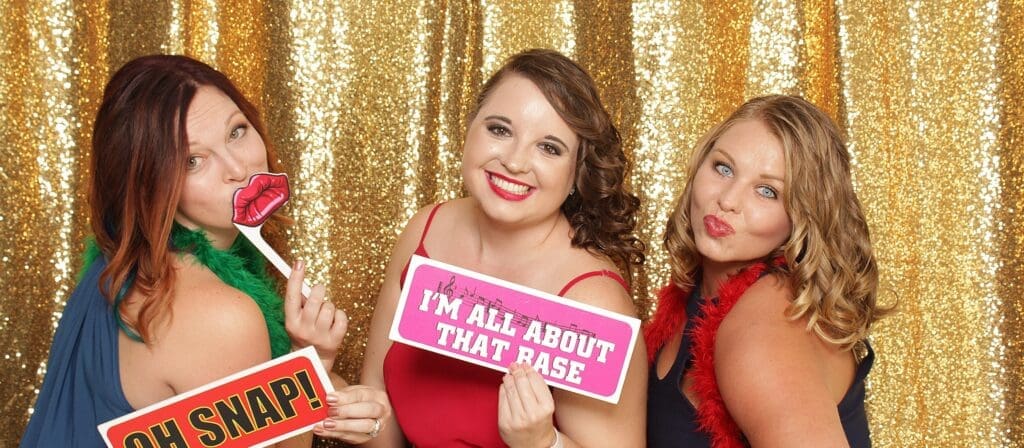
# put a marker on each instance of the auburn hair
(829, 260)
(602, 211)
(138, 167)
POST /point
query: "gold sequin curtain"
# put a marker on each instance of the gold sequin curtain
(366, 103)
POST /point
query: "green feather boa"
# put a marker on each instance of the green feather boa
(242, 267)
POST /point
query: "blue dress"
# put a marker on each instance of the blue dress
(82, 387)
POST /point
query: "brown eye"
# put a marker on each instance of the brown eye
(238, 132)
(499, 130)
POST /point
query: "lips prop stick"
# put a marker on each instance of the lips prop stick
(253, 205)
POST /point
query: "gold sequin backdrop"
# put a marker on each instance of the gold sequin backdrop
(366, 104)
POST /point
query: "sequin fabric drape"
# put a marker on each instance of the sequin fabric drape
(366, 104)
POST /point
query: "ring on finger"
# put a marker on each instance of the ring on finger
(376, 428)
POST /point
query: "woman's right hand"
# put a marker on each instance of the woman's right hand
(314, 320)
(356, 414)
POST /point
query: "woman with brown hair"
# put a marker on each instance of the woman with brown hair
(547, 208)
(171, 298)
(761, 337)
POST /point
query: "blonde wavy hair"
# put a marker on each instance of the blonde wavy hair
(829, 261)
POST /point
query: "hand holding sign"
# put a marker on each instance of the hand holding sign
(253, 205)
(525, 407)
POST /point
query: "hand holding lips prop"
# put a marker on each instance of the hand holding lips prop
(253, 205)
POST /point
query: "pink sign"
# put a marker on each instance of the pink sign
(493, 323)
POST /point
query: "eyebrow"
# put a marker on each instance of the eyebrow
(506, 120)
(226, 122)
(716, 148)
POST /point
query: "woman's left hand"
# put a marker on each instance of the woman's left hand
(525, 408)
(314, 320)
(355, 414)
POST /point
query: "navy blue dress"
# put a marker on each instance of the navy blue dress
(672, 419)
(82, 387)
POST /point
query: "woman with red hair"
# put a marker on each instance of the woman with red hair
(171, 298)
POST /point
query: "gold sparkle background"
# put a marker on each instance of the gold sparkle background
(366, 103)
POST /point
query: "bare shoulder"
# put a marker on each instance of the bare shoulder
(214, 328)
(599, 289)
(767, 365)
(203, 301)
(757, 330)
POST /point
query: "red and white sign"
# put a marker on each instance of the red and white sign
(493, 323)
(261, 405)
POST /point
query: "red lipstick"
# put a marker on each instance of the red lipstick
(717, 227)
(493, 179)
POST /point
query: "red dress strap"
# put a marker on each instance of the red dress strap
(603, 273)
(421, 250)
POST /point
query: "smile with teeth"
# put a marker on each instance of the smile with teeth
(507, 186)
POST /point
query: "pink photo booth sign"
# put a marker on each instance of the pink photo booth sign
(493, 323)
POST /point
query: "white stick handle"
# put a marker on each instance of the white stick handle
(253, 234)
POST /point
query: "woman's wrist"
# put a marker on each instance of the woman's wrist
(558, 440)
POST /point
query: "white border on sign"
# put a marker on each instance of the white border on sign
(308, 352)
(417, 261)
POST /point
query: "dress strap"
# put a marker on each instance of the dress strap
(421, 249)
(603, 273)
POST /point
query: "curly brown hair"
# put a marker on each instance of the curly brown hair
(829, 260)
(602, 211)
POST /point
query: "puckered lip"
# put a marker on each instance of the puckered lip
(717, 227)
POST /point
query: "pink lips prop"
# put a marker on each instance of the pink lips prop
(252, 205)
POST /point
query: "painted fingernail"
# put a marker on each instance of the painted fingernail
(301, 265)
(331, 399)
(329, 424)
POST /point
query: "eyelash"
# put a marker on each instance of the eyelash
(551, 149)
(498, 130)
(243, 127)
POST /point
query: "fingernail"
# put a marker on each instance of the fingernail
(331, 399)
(301, 265)
(329, 424)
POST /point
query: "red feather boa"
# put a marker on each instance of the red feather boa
(712, 415)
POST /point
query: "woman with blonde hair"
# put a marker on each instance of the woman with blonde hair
(761, 337)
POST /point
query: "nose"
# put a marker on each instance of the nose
(516, 159)
(729, 199)
(235, 168)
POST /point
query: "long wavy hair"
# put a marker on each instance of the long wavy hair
(138, 167)
(602, 211)
(829, 260)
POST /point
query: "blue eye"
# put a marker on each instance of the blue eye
(723, 169)
(767, 192)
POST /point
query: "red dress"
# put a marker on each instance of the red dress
(444, 402)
